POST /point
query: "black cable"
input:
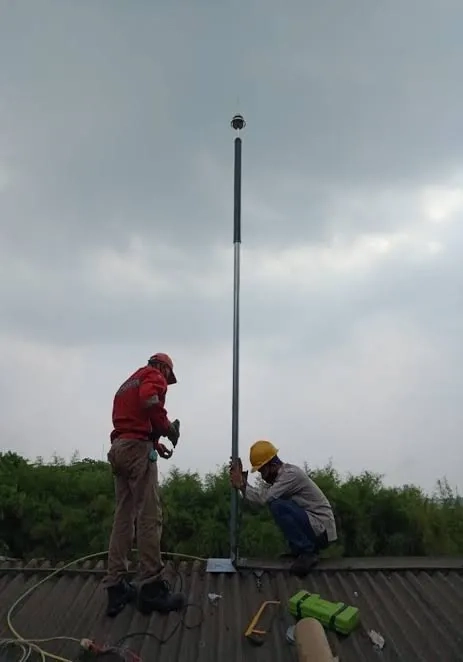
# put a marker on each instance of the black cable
(180, 622)
(164, 640)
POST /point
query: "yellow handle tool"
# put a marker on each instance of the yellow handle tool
(254, 634)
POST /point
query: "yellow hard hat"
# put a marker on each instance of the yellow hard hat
(260, 453)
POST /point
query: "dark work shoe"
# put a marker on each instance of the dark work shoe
(157, 596)
(288, 556)
(119, 596)
(303, 564)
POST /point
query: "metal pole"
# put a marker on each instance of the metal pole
(237, 124)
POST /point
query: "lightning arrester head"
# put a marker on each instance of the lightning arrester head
(238, 123)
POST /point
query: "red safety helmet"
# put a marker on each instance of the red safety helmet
(165, 359)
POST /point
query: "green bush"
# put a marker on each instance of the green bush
(64, 510)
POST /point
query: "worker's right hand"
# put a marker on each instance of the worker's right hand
(163, 451)
(173, 433)
(237, 475)
(235, 465)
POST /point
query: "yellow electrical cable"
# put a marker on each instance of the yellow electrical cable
(32, 643)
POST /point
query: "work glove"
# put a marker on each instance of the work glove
(173, 433)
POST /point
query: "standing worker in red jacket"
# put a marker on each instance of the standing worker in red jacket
(139, 420)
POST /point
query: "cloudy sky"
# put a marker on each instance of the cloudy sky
(116, 206)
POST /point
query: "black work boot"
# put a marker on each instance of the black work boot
(303, 564)
(119, 596)
(288, 556)
(157, 596)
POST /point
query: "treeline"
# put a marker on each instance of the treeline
(64, 510)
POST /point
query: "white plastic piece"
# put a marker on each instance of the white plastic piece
(291, 634)
(214, 598)
(377, 639)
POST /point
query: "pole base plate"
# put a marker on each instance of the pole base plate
(220, 566)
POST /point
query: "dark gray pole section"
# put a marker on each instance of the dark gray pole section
(238, 124)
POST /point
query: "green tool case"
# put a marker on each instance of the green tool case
(333, 615)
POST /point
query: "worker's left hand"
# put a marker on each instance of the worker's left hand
(163, 451)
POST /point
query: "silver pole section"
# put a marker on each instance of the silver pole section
(237, 124)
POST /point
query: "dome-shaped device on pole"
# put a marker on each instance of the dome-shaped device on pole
(238, 122)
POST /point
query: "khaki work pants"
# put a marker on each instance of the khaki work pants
(138, 505)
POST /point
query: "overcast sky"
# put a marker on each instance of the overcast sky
(116, 208)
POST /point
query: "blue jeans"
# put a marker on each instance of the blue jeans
(295, 525)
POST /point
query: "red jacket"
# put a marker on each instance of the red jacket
(138, 408)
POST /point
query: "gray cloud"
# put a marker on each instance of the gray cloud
(116, 211)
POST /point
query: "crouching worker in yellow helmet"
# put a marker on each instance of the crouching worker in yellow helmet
(298, 506)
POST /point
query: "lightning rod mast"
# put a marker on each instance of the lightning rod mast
(238, 125)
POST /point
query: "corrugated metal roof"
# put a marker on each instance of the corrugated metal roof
(419, 611)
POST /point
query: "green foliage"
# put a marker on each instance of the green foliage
(62, 510)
